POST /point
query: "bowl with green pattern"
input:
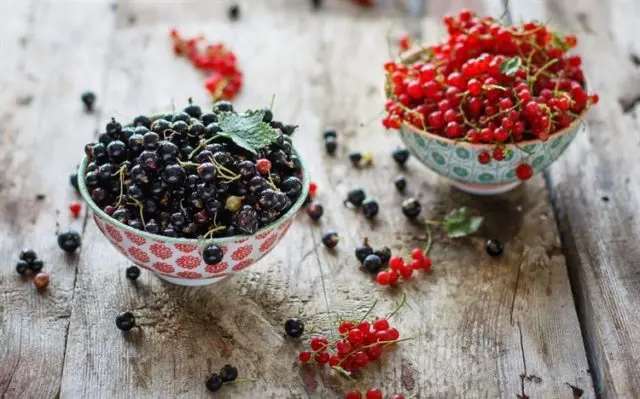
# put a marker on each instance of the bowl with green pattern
(458, 161)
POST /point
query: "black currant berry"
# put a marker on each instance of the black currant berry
(28, 255)
(133, 272)
(330, 239)
(329, 133)
(411, 208)
(193, 110)
(356, 196)
(208, 117)
(212, 255)
(142, 120)
(401, 183)
(73, 180)
(315, 211)
(234, 12)
(174, 175)
(214, 383)
(223, 106)
(362, 251)
(246, 220)
(125, 321)
(494, 247)
(330, 144)
(291, 186)
(370, 208)
(372, 263)
(355, 157)
(36, 266)
(88, 99)
(384, 253)
(294, 328)
(228, 373)
(69, 240)
(400, 155)
(22, 266)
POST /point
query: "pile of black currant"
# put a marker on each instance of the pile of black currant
(183, 175)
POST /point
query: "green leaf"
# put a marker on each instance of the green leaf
(247, 130)
(510, 66)
(459, 223)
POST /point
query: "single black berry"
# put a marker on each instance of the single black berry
(88, 99)
(69, 240)
(223, 106)
(133, 272)
(28, 255)
(228, 373)
(36, 266)
(362, 251)
(214, 383)
(330, 144)
(370, 208)
(316, 4)
(125, 321)
(22, 267)
(234, 12)
(294, 327)
(329, 133)
(315, 211)
(494, 247)
(400, 155)
(73, 180)
(401, 183)
(330, 239)
(193, 110)
(212, 255)
(355, 157)
(141, 120)
(356, 196)
(384, 253)
(411, 208)
(372, 263)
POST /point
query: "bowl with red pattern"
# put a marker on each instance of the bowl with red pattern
(179, 260)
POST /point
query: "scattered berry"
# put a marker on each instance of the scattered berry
(411, 208)
(384, 253)
(383, 278)
(400, 155)
(36, 266)
(88, 99)
(524, 171)
(355, 197)
(73, 180)
(22, 267)
(125, 321)
(304, 357)
(330, 144)
(69, 240)
(372, 263)
(370, 208)
(353, 395)
(228, 373)
(330, 239)
(41, 281)
(329, 133)
(401, 183)
(212, 255)
(313, 188)
(28, 255)
(315, 211)
(355, 157)
(133, 272)
(494, 247)
(294, 328)
(75, 208)
(404, 43)
(362, 251)
(374, 393)
(234, 12)
(484, 157)
(214, 383)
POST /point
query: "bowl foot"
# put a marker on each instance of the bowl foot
(485, 189)
(189, 283)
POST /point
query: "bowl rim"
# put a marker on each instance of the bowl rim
(414, 52)
(194, 241)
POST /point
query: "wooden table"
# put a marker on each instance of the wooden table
(556, 317)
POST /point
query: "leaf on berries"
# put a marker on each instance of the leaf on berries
(559, 41)
(247, 130)
(459, 223)
(510, 66)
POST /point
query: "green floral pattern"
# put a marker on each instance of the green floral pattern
(460, 162)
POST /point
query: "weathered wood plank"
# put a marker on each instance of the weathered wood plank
(50, 59)
(596, 193)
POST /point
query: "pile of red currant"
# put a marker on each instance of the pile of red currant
(399, 268)
(224, 78)
(373, 393)
(489, 83)
(360, 343)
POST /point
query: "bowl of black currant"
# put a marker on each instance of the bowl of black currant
(194, 196)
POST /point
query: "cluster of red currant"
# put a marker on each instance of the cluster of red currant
(224, 79)
(373, 393)
(489, 83)
(399, 268)
(359, 344)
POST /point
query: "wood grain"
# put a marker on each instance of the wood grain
(50, 60)
(596, 192)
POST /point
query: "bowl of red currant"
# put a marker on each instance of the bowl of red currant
(195, 196)
(490, 106)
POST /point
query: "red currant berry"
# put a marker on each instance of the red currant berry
(360, 358)
(396, 262)
(417, 264)
(484, 157)
(355, 336)
(365, 328)
(524, 171)
(380, 324)
(353, 395)
(427, 264)
(304, 356)
(571, 40)
(417, 253)
(383, 278)
(414, 89)
(498, 153)
(456, 79)
(263, 166)
(343, 347)
(594, 98)
(435, 119)
(453, 129)
(322, 358)
(313, 186)
(394, 334)
(318, 344)
(427, 73)
(404, 42)
(334, 361)
(486, 135)
(501, 135)
(393, 277)
(75, 208)
(406, 272)
(374, 393)
(474, 87)
(344, 327)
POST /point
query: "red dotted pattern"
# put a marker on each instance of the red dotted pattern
(139, 254)
(161, 251)
(136, 239)
(219, 268)
(244, 264)
(242, 252)
(267, 244)
(189, 275)
(188, 262)
(163, 267)
(114, 233)
(263, 235)
(186, 248)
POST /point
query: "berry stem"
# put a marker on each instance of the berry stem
(429, 242)
(373, 305)
(433, 222)
(398, 307)
(383, 343)
(545, 66)
(343, 372)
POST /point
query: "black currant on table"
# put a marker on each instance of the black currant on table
(22, 267)
(294, 327)
(494, 247)
(329, 133)
(370, 208)
(356, 196)
(36, 266)
(125, 321)
(214, 383)
(28, 255)
(411, 208)
(363, 250)
(330, 239)
(330, 145)
(180, 175)
(355, 157)
(401, 183)
(400, 155)
(384, 253)
(315, 211)
(69, 240)
(228, 373)
(372, 263)
(234, 12)
(133, 272)
(88, 99)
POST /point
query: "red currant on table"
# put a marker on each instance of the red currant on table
(304, 356)
(353, 395)
(374, 393)
(524, 171)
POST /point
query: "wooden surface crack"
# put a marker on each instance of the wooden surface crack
(524, 365)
